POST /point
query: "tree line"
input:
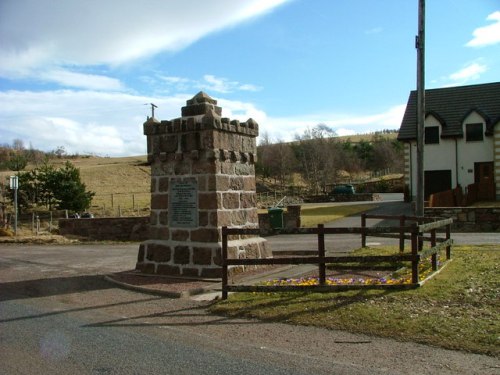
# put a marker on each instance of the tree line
(317, 156)
(320, 158)
(44, 185)
(17, 156)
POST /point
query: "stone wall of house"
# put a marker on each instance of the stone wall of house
(469, 219)
(106, 229)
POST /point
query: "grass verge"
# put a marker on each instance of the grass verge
(457, 309)
(314, 215)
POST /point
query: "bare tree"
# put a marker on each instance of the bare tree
(18, 145)
(315, 152)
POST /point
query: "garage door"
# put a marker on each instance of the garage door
(436, 181)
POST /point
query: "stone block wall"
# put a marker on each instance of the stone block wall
(106, 229)
(469, 219)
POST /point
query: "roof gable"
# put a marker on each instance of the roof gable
(451, 106)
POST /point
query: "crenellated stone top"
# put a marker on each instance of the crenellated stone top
(182, 125)
(201, 104)
(201, 113)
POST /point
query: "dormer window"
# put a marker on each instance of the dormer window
(474, 132)
(431, 135)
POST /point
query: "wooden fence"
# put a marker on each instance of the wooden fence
(402, 235)
(416, 233)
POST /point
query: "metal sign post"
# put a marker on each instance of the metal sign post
(14, 184)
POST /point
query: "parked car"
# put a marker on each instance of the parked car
(344, 189)
(87, 215)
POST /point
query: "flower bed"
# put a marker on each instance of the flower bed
(400, 277)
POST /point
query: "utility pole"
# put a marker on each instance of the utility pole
(420, 45)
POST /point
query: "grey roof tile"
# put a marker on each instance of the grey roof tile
(450, 106)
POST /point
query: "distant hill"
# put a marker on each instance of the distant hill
(123, 184)
(119, 183)
(366, 137)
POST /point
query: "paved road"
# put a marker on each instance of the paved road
(58, 316)
(391, 204)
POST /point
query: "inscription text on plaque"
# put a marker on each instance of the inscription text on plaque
(183, 203)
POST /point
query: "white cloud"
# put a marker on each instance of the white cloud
(175, 80)
(375, 30)
(105, 123)
(242, 111)
(285, 128)
(14, 64)
(223, 85)
(487, 35)
(209, 83)
(81, 80)
(216, 84)
(36, 33)
(81, 121)
(469, 73)
(110, 123)
(249, 87)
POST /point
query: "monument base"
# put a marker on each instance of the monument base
(195, 259)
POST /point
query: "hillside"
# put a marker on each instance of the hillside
(122, 185)
(119, 183)
(365, 137)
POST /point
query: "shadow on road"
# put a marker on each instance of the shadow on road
(51, 287)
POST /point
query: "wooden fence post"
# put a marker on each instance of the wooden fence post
(402, 220)
(224, 262)
(421, 220)
(321, 254)
(434, 257)
(414, 252)
(448, 236)
(363, 230)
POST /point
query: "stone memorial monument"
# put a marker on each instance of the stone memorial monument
(202, 178)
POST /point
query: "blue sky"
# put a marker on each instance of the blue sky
(77, 73)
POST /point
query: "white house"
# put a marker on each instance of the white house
(462, 139)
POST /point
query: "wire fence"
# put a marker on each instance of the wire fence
(121, 204)
(32, 223)
(43, 221)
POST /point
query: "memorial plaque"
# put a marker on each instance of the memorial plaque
(183, 203)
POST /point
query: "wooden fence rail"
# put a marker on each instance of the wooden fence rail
(413, 232)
